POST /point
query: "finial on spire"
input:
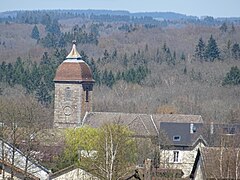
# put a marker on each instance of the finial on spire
(74, 42)
(74, 53)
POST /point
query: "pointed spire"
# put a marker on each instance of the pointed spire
(74, 53)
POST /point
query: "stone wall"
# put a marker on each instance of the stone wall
(70, 105)
(186, 159)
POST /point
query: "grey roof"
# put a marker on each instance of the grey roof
(182, 131)
(141, 124)
(176, 118)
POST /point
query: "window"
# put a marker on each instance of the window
(68, 94)
(175, 156)
(232, 130)
(176, 138)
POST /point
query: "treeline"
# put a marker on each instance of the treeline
(37, 78)
(210, 51)
(149, 19)
(57, 39)
(39, 16)
(131, 74)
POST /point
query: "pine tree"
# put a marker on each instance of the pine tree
(232, 28)
(35, 33)
(200, 49)
(183, 57)
(46, 20)
(54, 28)
(223, 27)
(110, 79)
(236, 51)
(43, 95)
(232, 77)
(212, 52)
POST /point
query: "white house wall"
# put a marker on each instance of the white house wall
(186, 159)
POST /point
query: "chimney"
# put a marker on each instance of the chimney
(192, 128)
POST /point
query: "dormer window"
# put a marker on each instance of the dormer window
(176, 138)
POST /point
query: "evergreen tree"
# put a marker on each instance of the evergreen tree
(236, 51)
(232, 28)
(18, 72)
(43, 95)
(223, 27)
(35, 78)
(35, 33)
(54, 28)
(62, 42)
(104, 78)
(46, 20)
(118, 76)
(50, 40)
(3, 70)
(94, 30)
(106, 57)
(114, 54)
(9, 74)
(232, 77)
(185, 70)
(183, 57)
(200, 49)
(212, 52)
(110, 79)
(125, 60)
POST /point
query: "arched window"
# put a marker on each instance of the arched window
(68, 94)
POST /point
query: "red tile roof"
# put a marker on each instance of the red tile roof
(73, 71)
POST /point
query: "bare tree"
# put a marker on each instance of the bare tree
(24, 119)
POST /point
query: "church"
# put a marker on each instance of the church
(73, 108)
(73, 91)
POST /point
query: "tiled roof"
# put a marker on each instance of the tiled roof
(73, 71)
(141, 124)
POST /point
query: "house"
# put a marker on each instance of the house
(73, 173)
(179, 148)
(181, 132)
(216, 163)
(21, 162)
(182, 141)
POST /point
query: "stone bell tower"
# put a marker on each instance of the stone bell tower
(73, 90)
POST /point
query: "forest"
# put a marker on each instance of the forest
(141, 64)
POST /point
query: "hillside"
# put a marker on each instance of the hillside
(140, 64)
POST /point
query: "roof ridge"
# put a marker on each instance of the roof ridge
(154, 124)
(145, 114)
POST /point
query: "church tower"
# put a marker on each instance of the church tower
(73, 90)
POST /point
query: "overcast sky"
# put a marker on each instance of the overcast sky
(215, 8)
